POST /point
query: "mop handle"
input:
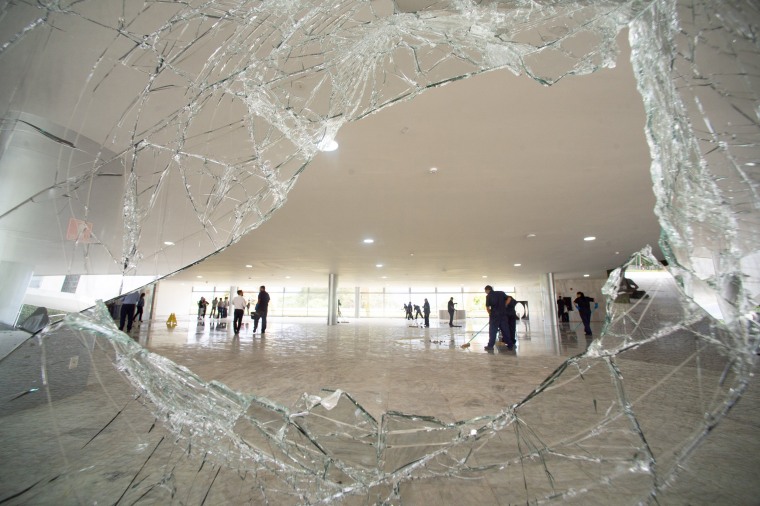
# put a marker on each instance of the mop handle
(478, 332)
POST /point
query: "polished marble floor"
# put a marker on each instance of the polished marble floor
(385, 364)
(92, 439)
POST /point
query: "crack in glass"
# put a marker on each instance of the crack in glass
(161, 84)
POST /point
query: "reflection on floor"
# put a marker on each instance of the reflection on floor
(536, 425)
(385, 364)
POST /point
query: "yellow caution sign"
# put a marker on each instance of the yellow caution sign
(171, 321)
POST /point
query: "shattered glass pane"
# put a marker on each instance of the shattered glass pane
(159, 92)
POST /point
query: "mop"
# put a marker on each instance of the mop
(467, 344)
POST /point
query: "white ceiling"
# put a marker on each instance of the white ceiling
(513, 157)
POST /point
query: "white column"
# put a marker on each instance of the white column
(14, 280)
(549, 300)
(357, 301)
(332, 299)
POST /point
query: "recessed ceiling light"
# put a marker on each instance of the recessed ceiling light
(518, 265)
(383, 277)
(199, 277)
(249, 266)
(433, 170)
(287, 277)
(585, 275)
(378, 265)
(589, 238)
(327, 145)
(530, 235)
(169, 243)
(484, 277)
(617, 252)
(368, 241)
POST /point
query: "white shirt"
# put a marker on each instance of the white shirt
(238, 302)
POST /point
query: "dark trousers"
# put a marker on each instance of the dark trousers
(237, 319)
(451, 318)
(495, 324)
(427, 319)
(512, 326)
(128, 314)
(139, 314)
(586, 319)
(260, 315)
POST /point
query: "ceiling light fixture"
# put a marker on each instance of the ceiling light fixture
(484, 277)
(199, 277)
(518, 265)
(433, 170)
(530, 236)
(169, 243)
(585, 275)
(327, 145)
(378, 265)
(368, 241)
(589, 238)
(249, 266)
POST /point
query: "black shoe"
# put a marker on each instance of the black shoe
(510, 348)
(488, 348)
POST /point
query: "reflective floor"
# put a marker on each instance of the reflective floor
(386, 364)
(663, 409)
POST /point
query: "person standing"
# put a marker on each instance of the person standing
(222, 307)
(140, 306)
(214, 303)
(496, 305)
(583, 304)
(408, 308)
(511, 321)
(451, 311)
(561, 313)
(426, 312)
(238, 304)
(202, 304)
(128, 310)
(417, 311)
(261, 309)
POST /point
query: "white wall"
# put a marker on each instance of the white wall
(532, 293)
(591, 287)
(173, 297)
